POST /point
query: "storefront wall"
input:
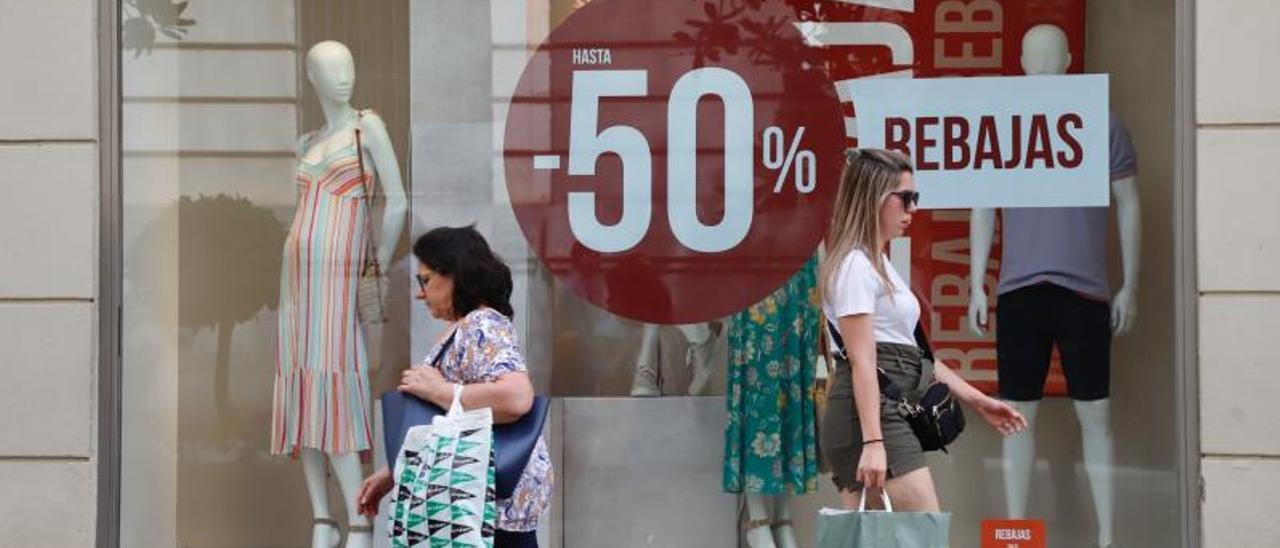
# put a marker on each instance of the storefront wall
(53, 137)
(1238, 243)
(49, 174)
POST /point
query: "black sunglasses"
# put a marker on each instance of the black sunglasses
(910, 198)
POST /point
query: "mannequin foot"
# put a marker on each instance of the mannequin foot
(325, 533)
(759, 535)
(645, 382)
(701, 357)
(359, 536)
(784, 536)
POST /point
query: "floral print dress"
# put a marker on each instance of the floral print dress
(485, 348)
(770, 439)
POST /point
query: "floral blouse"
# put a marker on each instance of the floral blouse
(484, 348)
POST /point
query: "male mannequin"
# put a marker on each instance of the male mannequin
(1053, 288)
(331, 71)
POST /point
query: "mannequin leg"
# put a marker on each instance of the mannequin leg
(324, 534)
(702, 347)
(695, 333)
(759, 535)
(645, 381)
(1019, 457)
(1095, 431)
(784, 535)
(346, 467)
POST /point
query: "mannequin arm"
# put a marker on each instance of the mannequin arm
(1129, 219)
(982, 226)
(378, 145)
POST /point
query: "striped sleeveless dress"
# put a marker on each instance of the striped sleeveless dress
(321, 396)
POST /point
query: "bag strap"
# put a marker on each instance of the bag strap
(364, 179)
(862, 501)
(371, 256)
(455, 408)
(824, 346)
(435, 362)
(922, 341)
(887, 386)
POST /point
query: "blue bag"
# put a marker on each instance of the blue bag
(513, 443)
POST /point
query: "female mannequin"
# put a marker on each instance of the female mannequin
(771, 449)
(321, 400)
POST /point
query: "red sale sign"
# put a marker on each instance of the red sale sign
(674, 162)
(1013, 533)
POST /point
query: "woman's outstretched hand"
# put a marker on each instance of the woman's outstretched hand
(1001, 416)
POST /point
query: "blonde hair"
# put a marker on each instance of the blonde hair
(868, 178)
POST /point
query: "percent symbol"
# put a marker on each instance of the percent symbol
(801, 164)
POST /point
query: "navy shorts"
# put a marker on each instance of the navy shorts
(1030, 320)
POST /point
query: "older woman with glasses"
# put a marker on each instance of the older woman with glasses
(464, 283)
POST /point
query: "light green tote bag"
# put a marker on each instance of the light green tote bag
(882, 529)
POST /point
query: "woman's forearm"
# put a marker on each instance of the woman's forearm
(963, 391)
(508, 400)
(866, 395)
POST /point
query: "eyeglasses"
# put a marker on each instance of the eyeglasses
(422, 282)
(910, 198)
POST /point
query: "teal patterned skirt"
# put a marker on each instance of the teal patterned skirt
(770, 442)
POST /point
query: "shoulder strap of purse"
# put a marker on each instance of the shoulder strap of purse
(360, 153)
(922, 341)
(369, 190)
(443, 348)
(824, 346)
(887, 386)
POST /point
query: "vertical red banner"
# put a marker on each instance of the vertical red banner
(937, 39)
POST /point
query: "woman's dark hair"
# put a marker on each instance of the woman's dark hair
(480, 278)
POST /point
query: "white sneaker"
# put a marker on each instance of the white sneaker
(645, 382)
(701, 357)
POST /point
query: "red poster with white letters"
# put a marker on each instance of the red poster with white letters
(673, 162)
(935, 39)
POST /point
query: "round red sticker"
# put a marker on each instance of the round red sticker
(674, 162)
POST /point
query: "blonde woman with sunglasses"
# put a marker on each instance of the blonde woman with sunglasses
(867, 443)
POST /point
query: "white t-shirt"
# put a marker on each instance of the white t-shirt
(857, 289)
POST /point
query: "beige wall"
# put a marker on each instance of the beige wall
(1238, 136)
(48, 272)
(48, 165)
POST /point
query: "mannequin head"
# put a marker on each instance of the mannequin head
(1045, 50)
(332, 71)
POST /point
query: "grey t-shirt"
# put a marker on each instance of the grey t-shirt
(1066, 246)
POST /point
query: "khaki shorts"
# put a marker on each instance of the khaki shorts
(841, 435)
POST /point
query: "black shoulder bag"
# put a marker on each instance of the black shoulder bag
(936, 419)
